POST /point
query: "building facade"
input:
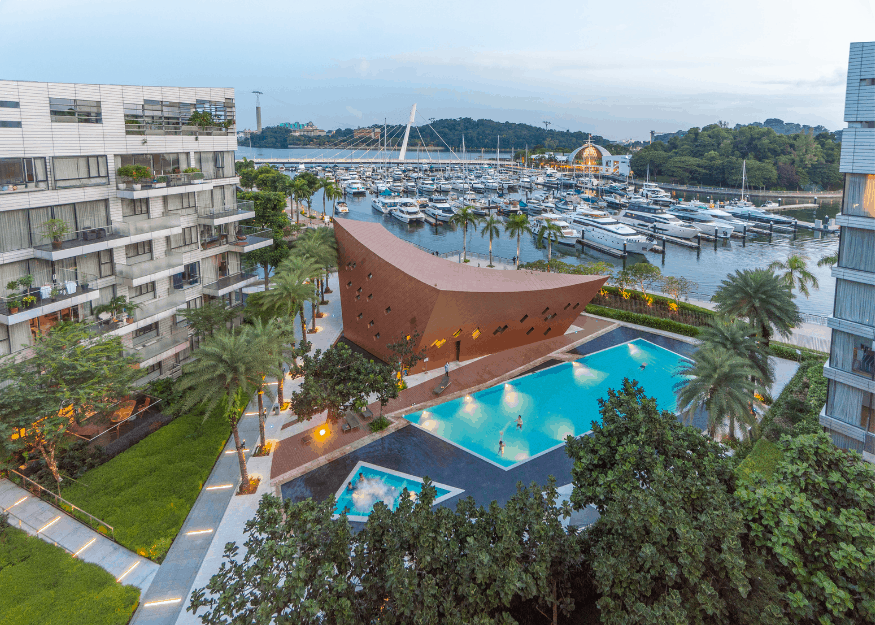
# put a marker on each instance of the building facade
(390, 289)
(849, 414)
(74, 234)
(303, 130)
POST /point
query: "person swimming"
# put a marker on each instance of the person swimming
(361, 477)
(501, 447)
(349, 486)
(519, 422)
(643, 365)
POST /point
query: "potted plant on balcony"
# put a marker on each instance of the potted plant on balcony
(55, 293)
(26, 282)
(201, 119)
(195, 175)
(13, 302)
(160, 182)
(55, 229)
(28, 301)
(130, 307)
(116, 306)
(136, 174)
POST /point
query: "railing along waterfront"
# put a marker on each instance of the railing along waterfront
(68, 508)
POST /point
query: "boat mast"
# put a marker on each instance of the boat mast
(743, 174)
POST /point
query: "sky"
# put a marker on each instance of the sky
(617, 69)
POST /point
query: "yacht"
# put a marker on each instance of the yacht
(655, 219)
(427, 187)
(569, 234)
(700, 217)
(609, 232)
(385, 204)
(690, 211)
(342, 207)
(407, 210)
(439, 208)
(355, 187)
(757, 214)
(653, 193)
(770, 204)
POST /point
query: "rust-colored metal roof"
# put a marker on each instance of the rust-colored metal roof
(448, 275)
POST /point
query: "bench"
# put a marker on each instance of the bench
(440, 388)
(366, 414)
(306, 439)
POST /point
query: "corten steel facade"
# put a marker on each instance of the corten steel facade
(390, 289)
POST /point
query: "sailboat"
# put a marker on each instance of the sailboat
(742, 202)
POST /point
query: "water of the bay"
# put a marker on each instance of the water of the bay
(706, 267)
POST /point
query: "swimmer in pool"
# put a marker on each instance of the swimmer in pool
(519, 422)
(501, 447)
(361, 477)
(643, 365)
(350, 486)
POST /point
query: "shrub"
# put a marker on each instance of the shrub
(762, 459)
(380, 423)
(643, 320)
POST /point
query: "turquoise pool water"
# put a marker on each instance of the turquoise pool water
(378, 485)
(554, 403)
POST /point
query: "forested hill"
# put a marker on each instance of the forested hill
(479, 134)
(713, 156)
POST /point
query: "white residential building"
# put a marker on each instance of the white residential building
(172, 241)
(849, 414)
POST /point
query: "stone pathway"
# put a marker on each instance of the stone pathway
(39, 518)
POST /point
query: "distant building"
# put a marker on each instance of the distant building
(372, 133)
(849, 414)
(303, 130)
(618, 165)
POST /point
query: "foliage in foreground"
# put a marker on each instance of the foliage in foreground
(146, 492)
(42, 585)
(414, 564)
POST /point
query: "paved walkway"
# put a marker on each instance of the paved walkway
(218, 516)
(38, 518)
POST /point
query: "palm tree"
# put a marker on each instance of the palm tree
(290, 290)
(516, 226)
(321, 245)
(740, 338)
(465, 217)
(721, 382)
(762, 298)
(330, 191)
(490, 227)
(299, 192)
(796, 273)
(265, 336)
(551, 231)
(228, 368)
(829, 260)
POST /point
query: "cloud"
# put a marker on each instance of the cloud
(354, 112)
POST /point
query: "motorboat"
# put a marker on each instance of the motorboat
(568, 236)
(407, 210)
(609, 232)
(385, 204)
(439, 208)
(652, 192)
(770, 204)
(341, 207)
(757, 214)
(702, 221)
(355, 187)
(691, 211)
(656, 219)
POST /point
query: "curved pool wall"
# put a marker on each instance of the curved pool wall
(554, 403)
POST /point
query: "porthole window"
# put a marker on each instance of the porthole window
(544, 312)
(532, 329)
(547, 331)
(524, 318)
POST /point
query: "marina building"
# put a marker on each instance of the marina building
(303, 130)
(849, 414)
(110, 191)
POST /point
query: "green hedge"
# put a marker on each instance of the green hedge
(41, 584)
(643, 320)
(762, 459)
(146, 492)
(792, 352)
(659, 299)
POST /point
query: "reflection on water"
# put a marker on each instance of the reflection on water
(369, 491)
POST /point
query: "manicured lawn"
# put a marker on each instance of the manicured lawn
(146, 492)
(41, 584)
(762, 459)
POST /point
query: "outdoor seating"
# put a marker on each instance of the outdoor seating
(124, 411)
(351, 421)
(440, 388)
(366, 414)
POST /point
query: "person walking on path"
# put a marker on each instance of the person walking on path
(447, 369)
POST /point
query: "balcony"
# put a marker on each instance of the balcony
(139, 127)
(157, 309)
(165, 184)
(157, 349)
(81, 242)
(225, 285)
(216, 216)
(249, 238)
(68, 290)
(150, 270)
(137, 227)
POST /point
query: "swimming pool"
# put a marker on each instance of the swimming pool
(553, 403)
(372, 484)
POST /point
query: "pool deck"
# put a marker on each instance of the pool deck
(293, 459)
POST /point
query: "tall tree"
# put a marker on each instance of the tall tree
(208, 318)
(551, 232)
(796, 273)
(678, 287)
(721, 382)
(516, 226)
(266, 337)
(405, 352)
(292, 288)
(668, 546)
(815, 520)
(465, 217)
(645, 275)
(760, 297)
(741, 339)
(330, 192)
(71, 375)
(491, 229)
(339, 379)
(229, 367)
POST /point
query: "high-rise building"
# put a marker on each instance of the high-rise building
(76, 231)
(849, 414)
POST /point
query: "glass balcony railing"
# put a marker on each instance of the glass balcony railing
(229, 283)
(223, 214)
(171, 263)
(142, 224)
(49, 296)
(176, 299)
(155, 347)
(77, 239)
(141, 127)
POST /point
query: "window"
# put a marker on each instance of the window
(376, 336)
(370, 275)
(147, 289)
(457, 333)
(79, 171)
(388, 309)
(146, 333)
(359, 317)
(131, 208)
(544, 312)
(567, 306)
(532, 329)
(9, 104)
(575, 306)
(188, 278)
(370, 296)
(105, 261)
(547, 331)
(75, 111)
(864, 82)
(349, 284)
(9, 124)
(188, 237)
(25, 173)
(524, 318)
(475, 333)
(370, 323)
(141, 251)
(219, 160)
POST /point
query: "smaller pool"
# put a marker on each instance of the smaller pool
(371, 484)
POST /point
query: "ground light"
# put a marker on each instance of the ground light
(125, 574)
(152, 604)
(85, 546)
